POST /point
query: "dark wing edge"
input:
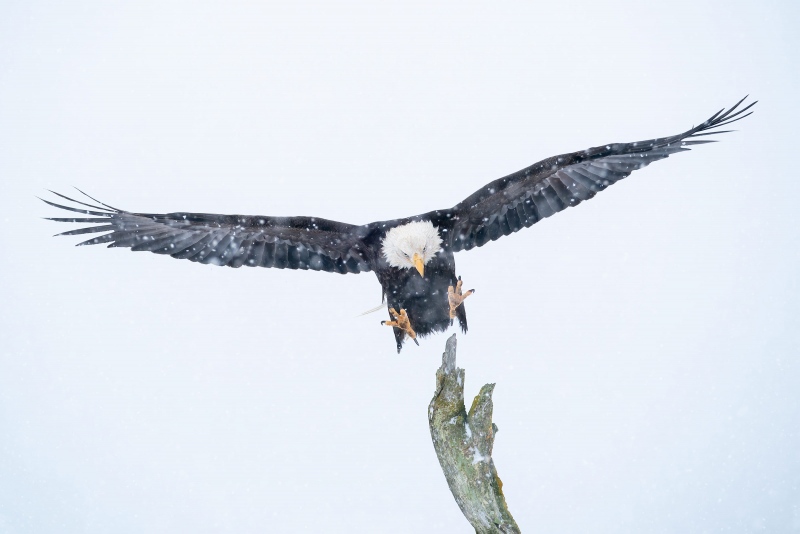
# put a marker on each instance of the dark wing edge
(232, 240)
(552, 185)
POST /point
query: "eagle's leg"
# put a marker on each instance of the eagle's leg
(401, 321)
(455, 298)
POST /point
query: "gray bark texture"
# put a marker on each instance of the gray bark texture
(463, 443)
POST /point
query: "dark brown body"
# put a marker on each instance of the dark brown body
(423, 298)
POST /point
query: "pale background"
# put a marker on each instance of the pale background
(644, 345)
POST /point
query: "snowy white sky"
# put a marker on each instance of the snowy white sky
(644, 345)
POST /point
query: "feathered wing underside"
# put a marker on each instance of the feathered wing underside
(232, 240)
(552, 185)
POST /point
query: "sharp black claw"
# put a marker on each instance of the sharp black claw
(417, 342)
(472, 290)
(383, 322)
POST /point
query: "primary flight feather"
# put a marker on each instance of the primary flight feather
(412, 257)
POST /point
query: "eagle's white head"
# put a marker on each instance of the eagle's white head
(411, 245)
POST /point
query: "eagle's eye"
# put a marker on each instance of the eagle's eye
(424, 249)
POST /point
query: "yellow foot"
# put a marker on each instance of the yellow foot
(401, 321)
(455, 298)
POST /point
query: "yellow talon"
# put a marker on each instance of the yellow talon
(455, 298)
(402, 322)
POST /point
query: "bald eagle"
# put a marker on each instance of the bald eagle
(413, 257)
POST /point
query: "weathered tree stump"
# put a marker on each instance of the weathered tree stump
(463, 443)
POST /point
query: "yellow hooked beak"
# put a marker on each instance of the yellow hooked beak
(418, 264)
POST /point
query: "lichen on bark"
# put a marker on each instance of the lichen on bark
(463, 442)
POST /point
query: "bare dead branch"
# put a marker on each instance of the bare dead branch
(463, 443)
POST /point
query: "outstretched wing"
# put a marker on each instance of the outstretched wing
(552, 185)
(232, 240)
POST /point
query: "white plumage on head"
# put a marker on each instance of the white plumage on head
(402, 242)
